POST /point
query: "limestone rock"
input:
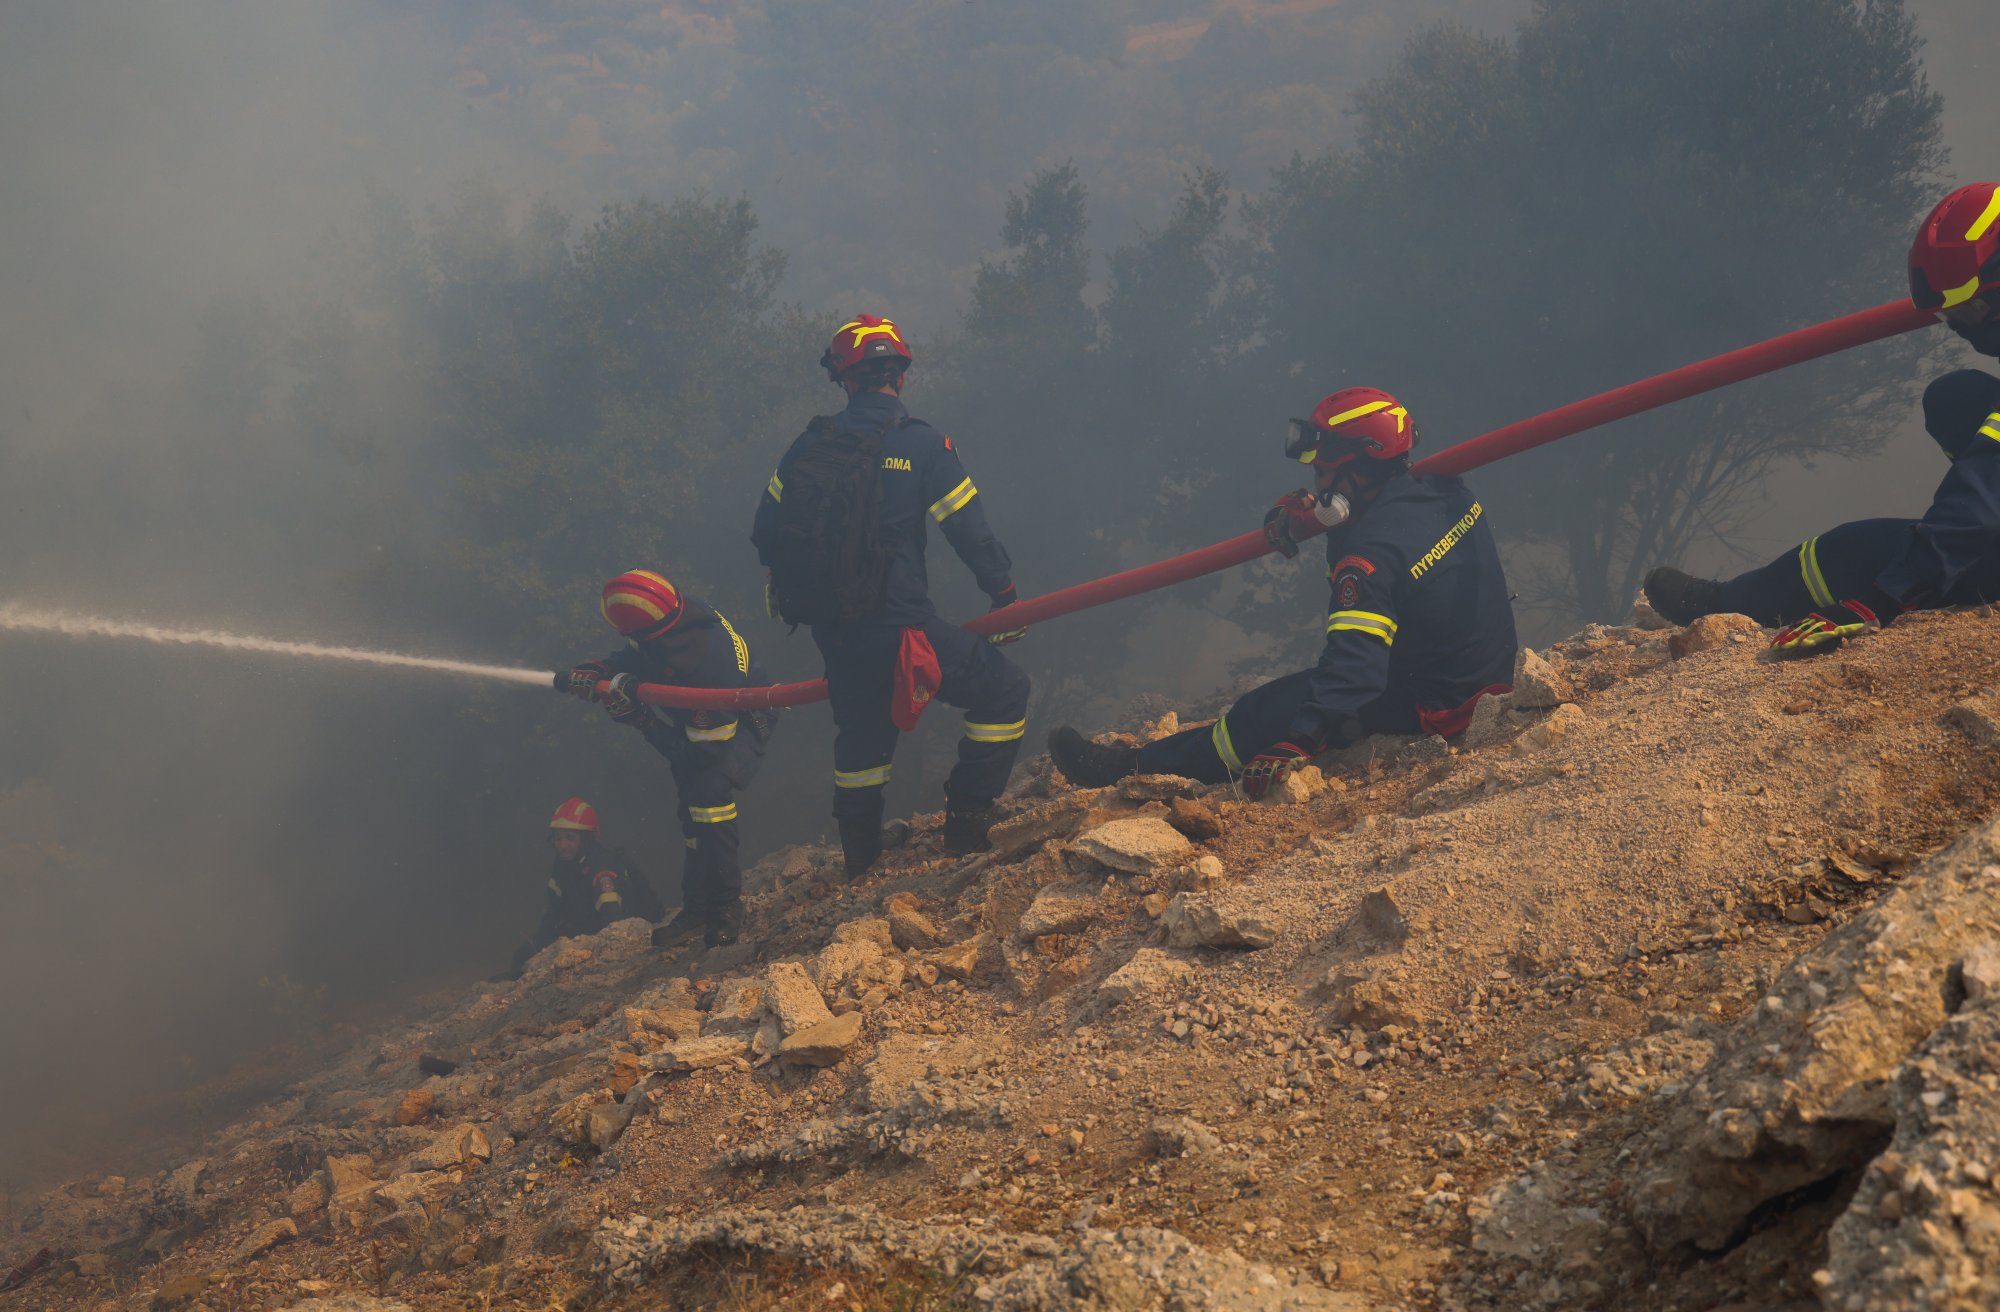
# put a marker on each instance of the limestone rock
(1181, 1136)
(651, 1027)
(1301, 785)
(1142, 845)
(1199, 823)
(351, 1181)
(1560, 724)
(1538, 685)
(1031, 829)
(1494, 720)
(738, 1005)
(1150, 973)
(824, 1044)
(1978, 718)
(454, 1147)
(793, 998)
(415, 1106)
(1193, 920)
(699, 1054)
(307, 1197)
(1708, 633)
(1060, 909)
(607, 1121)
(855, 967)
(265, 1238)
(414, 1191)
(1979, 973)
(909, 927)
(1359, 996)
(870, 929)
(1382, 916)
(973, 958)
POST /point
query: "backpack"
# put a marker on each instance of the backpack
(828, 562)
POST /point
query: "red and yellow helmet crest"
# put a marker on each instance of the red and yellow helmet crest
(863, 338)
(640, 603)
(1956, 254)
(575, 814)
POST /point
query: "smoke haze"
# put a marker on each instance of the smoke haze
(256, 256)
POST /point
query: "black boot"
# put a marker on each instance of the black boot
(860, 843)
(965, 830)
(1681, 598)
(1087, 764)
(724, 925)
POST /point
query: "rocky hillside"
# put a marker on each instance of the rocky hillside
(1673, 988)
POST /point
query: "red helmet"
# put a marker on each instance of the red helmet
(861, 339)
(641, 604)
(1957, 251)
(575, 814)
(1355, 423)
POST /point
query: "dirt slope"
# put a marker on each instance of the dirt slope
(1488, 1027)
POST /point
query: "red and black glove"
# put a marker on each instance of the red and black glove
(1290, 522)
(581, 680)
(1001, 601)
(621, 701)
(1271, 765)
(1828, 627)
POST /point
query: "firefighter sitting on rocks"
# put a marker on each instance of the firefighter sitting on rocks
(1862, 575)
(842, 529)
(590, 885)
(1420, 625)
(674, 637)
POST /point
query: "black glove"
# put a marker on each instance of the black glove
(1001, 600)
(621, 700)
(581, 680)
(1289, 520)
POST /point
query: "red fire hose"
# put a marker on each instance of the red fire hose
(1647, 394)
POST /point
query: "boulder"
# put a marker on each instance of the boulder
(1561, 722)
(308, 1196)
(738, 1006)
(909, 927)
(1710, 632)
(1382, 916)
(415, 1106)
(869, 929)
(822, 1045)
(964, 961)
(793, 998)
(265, 1238)
(844, 967)
(1149, 973)
(1358, 996)
(1197, 822)
(1142, 845)
(1032, 828)
(1538, 686)
(1194, 920)
(650, 1027)
(1059, 909)
(454, 1147)
(699, 1054)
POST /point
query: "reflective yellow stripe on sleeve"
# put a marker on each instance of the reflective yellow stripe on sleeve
(719, 734)
(874, 778)
(996, 733)
(1816, 587)
(1224, 748)
(953, 501)
(555, 888)
(713, 815)
(776, 487)
(1363, 621)
(1991, 428)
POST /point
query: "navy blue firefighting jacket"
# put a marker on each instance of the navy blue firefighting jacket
(922, 479)
(701, 650)
(1953, 557)
(1420, 607)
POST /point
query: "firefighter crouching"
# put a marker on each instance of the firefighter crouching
(674, 637)
(842, 529)
(591, 885)
(1419, 629)
(1861, 575)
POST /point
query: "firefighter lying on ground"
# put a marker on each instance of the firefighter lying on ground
(1420, 625)
(677, 638)
(1862, 575)
(841, 528)
(590, 885)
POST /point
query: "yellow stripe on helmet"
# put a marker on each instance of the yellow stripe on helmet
(1985, 220)
(1357, 412)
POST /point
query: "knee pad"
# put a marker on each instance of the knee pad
(1956, 404)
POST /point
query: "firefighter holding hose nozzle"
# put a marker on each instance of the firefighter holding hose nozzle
(1861, 575)
(676, 638)
(1419, 629)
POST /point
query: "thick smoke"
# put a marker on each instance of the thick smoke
(236, 392)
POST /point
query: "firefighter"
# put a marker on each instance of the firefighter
(1862, 575)
(842, 529)
(675, 637)
(590, 885)
(1419, 629)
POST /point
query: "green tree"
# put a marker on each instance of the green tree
(1624, 186)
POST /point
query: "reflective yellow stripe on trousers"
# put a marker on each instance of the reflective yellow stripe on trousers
(996, 733)
(712, 815)
(1816, 587)
(1219, 737)
(874, 778)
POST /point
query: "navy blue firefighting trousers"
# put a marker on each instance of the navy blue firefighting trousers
(1259, 719)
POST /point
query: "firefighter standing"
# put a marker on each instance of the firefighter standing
(1862, 575)
(674, 637)
(590, 885)
(1419, 629)
(841, 528)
